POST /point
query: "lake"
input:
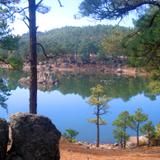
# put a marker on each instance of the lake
(66, 103)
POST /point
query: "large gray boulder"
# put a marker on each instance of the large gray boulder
(33, 138)
(3, 138)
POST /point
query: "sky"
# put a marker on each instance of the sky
(59, 17)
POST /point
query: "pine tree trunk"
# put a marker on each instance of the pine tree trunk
(33, 56)
(98, 129)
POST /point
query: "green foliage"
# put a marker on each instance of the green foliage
(154, 87)
(15, 62)
(137, 119)
(142, 47)
(82, 41)
(10, 42)
(149, 130)
(94, 120)
(6, 15)
(112, 44)
(113, 9)
(3, 26)
(98, 97)
(71, 134)
(121, 136)
(122, 122)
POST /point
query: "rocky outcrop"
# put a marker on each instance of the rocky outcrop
(33, 138)
(43, 78)
(29, 137)
(3, 138)
(132, 142)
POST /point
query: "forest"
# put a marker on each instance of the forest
(74, 41)
(138, 44)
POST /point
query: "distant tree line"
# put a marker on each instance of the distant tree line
(76, 42)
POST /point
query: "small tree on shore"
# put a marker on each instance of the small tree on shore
(121, 136)
(148, 129)
(99, 100)
(137, 119)
(71, 134)
(122, 122)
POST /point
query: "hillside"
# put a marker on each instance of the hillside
(81, 41)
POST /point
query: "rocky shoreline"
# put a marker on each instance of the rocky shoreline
(46, 72)
(84, 69)
(131, 144)
(87, 68)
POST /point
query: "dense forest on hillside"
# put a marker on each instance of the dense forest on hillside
(81, 41)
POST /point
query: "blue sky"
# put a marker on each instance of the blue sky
(62, 16)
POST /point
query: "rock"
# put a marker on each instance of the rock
(3, 138)
(143, 140)
(79, 143)
(33, 138)
(131, 145)
(24, 80)
(119, 70)
(115, 144)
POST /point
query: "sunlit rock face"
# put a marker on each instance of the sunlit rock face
(3, 138)
(34, 137)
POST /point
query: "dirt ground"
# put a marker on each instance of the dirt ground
(78, 152)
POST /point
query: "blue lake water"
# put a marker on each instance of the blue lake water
(66, 104)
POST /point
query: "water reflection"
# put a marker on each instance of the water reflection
(4, 93)
(65, 103)
(115, 86)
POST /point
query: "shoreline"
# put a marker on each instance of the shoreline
(131, 143)
(88, 69)
(83, 69)
(69, 151)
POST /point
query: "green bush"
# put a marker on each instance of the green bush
(71, 134)
(15, 62)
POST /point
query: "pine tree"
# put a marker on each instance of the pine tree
(149, 130)
(137, 119)
(99, 100)
(122, 122)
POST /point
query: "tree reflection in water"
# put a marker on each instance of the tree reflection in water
(4, 93)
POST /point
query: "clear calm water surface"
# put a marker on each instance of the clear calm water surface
(66, 103)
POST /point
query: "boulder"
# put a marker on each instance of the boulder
(3, 138)
(34, 137)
